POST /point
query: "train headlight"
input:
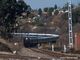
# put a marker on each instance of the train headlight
(26, 38)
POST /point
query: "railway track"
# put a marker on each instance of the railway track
(47, 52)
(42, 51)
(6, 56)
(56, 54)
(18, 57)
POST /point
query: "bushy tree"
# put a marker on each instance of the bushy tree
(65, 7)
(55, 6)
(9, 9)
(28, 10)
(76, 15)
(56, 12)
(39, 11)
(21, 7)
(51, 9)
(45, 9)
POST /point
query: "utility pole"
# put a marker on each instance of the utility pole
(70, 25)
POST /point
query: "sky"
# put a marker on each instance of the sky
(35, 4)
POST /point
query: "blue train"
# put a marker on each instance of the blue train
(32, 39)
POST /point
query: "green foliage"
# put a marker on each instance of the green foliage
(21, 7)
(9, 9)
(46, 9)
(79, 4)
(28, 10)
(50, 10)
(65, 7)
(55, 6)
(76, 15)
(38, 21)
(39, 11)
(56, 12)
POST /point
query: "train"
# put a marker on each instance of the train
(32, 39)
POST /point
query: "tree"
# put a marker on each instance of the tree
(55, 6)
(56, 12)
(9, 9)
(7, 16)
(65, 7)
(28, 10)
(46, 9)
(39, 11)
(76, 15)
(51, 9)
(21, 7)
(79, 4)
